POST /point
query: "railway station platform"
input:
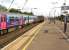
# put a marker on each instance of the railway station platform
(44, 36)
(50, 37)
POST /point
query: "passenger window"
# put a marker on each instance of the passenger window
(17, 19)
(12, 20)
(3, 18)
(24, 18)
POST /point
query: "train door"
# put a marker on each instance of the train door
(26, 19)
(11, 21)
(8, 22)
(16, 22)
(21, 22)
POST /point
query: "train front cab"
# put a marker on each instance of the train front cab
(3, 24)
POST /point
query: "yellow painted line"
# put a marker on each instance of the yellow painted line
(36, 32)
(30, 41)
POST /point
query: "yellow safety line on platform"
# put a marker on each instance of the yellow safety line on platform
(30, 40)
(36, 32)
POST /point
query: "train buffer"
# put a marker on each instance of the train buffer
(36, 39)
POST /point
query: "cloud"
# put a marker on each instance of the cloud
(5, 2)
(43, 6)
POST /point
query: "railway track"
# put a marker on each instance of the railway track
(7, 38)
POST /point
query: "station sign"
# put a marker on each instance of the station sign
(65, 8)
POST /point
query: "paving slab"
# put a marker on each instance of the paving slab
(49, 38)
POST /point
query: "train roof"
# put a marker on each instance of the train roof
(16, 14)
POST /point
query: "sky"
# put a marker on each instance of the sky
(43, 7)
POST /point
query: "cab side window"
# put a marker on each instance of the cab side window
(3, 18)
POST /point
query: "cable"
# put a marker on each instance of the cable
(25, 4)
(10, 4)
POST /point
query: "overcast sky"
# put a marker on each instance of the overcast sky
(43, 6)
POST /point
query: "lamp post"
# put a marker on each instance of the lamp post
(54, 12)
(50, 18)
(65, 18)
(65, 22)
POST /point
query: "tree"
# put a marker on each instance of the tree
(12, 10)
(2, 8)
(28, 13)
